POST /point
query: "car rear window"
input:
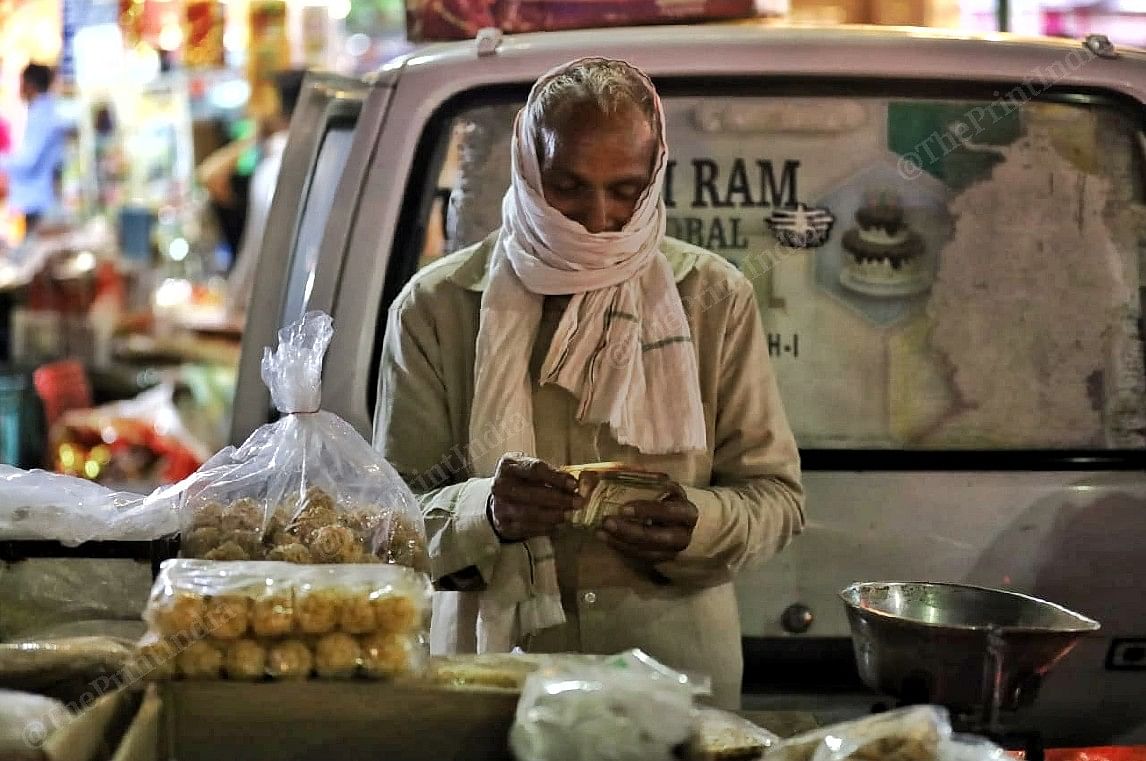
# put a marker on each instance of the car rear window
(932, 274)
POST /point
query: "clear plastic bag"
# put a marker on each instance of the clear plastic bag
(307, 488)
(37, 505)
(626, 707)
(258, 619)
(39, 594)
(907, 734)
(508, 671)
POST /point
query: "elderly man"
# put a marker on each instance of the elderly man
(578, 333)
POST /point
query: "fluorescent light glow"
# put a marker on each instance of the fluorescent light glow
(179, 249)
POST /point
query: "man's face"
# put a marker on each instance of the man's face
(595, 167)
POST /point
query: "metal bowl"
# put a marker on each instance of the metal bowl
(972, 649)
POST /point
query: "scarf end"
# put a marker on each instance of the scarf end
(688, 444)
(540, 612)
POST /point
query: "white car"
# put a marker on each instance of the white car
(946, 235)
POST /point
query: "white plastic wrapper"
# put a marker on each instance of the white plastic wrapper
(37, 505)
(305, 489)
(630, 707)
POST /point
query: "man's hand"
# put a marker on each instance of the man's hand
(652, 531)
(529, 498)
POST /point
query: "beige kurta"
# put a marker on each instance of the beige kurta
(746, 486)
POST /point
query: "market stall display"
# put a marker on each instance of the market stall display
(141, 440)
(258, 619)
(305, 489)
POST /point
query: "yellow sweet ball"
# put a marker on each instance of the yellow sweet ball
(182, 613)
(317, 611)
(396, 614)
(201, 660)
(336, 655)
(246, 660)
(228, 616)
(272, 615)
(385, 655)
(289, 659)
(357, 615)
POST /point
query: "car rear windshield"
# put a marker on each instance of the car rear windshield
(932, 274)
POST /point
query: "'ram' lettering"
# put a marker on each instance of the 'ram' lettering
(704, 181)
(714, 188)
(774, 192)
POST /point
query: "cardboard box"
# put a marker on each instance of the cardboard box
(461, 19)
(94, 733)
(207, 721)
(324, 720)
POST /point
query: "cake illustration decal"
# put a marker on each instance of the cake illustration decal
(882, 255)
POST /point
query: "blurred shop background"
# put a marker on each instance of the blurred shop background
(119, 336)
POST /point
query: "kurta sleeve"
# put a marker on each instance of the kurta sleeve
(755, 503)
(413, 432)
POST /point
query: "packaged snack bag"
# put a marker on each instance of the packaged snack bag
(306, 488)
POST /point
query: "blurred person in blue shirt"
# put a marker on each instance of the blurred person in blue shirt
(33, 168)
